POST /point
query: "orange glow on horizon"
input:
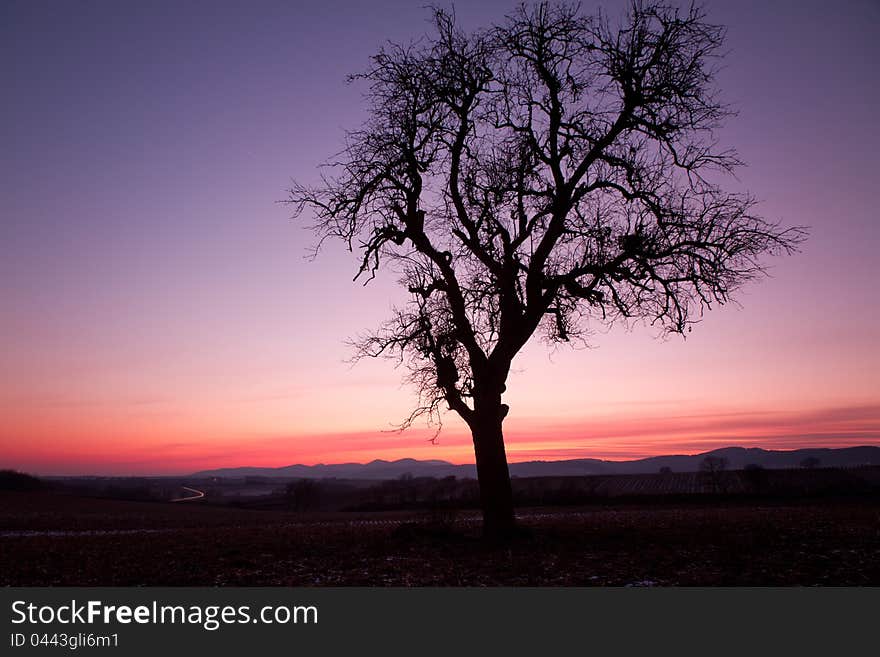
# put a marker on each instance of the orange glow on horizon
(610, 437)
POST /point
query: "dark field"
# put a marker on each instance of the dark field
(51, 539)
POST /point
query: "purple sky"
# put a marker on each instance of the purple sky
(158, 312)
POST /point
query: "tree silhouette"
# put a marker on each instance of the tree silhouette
(712, 469)
(554, 170)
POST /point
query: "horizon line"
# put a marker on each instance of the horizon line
(443, 461)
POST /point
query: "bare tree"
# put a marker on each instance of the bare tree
(712, 469)
(546, 173)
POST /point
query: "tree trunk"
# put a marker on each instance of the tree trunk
(496, 496)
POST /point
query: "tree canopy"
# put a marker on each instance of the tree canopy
(545, 174)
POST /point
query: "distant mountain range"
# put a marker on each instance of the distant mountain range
(737, 459)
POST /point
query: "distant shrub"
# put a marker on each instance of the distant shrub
(12, 480)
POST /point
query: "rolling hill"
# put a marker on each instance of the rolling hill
(737, 459)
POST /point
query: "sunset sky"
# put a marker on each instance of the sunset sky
(159, 314)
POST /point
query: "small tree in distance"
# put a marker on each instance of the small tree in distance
(550, 171)
(713, 468)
